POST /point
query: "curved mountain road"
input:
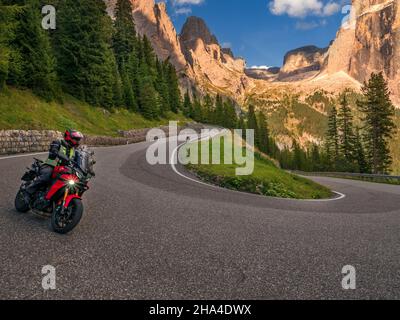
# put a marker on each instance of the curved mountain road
(148, 233)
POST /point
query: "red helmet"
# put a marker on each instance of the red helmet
(73, 137)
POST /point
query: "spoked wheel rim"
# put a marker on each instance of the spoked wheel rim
(64, 217)
(63, 220)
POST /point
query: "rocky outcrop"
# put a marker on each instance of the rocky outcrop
(302, 61)
(152, 20)
(214, 68)
(196, 53)
(262, 73)
(369, 42)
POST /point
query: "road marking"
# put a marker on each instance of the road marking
(173, 166)
(22, 155)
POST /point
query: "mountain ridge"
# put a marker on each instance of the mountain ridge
(369, 42)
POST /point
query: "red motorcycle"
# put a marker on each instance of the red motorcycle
(62, 201)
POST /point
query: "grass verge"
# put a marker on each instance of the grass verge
(266, 179)
(21, 109)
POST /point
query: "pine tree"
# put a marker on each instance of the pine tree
(129, 95)
(332, 144)
(125, 46)
(378, 112)
(149, 100)
(161, 86)
(359, 153)
(148, 56)
(187, 105)
(230, 118)
(219, 117)
(242, 125)
(124, 38)
(264, 139)
(315, 162)
(208, 107)
(197, 113)
(36, 68)
(298, 156)
(86, 62)
(345, 129)
(7, 34)
(252, 124)
(175, 98)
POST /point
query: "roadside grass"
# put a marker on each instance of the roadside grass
(21, 109)
(267, 179)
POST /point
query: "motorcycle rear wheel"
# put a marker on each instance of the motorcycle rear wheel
(20, 204)
(64, 223)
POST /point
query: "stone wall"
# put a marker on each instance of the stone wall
(21, 141)
(27, 141)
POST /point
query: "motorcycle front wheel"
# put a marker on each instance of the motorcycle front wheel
(20, 204)
(64, 221)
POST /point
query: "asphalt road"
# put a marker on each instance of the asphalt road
(148, 233)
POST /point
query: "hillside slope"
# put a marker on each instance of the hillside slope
(22, 110)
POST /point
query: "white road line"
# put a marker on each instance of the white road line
(22, 155)
(173, 166)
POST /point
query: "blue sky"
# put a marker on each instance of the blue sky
(262, 31)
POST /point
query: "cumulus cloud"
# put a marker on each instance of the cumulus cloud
(260, 67)
(183, 10)
(303, 8)
(308, 25)
(183, 6)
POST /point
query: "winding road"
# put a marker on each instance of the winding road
(149, 233)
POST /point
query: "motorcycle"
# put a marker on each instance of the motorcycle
(62, 200)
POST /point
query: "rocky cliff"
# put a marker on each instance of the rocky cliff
(195, 53)
(299, 63)
(152, 20)
(369, 42)
(214, 67)
(269, 74)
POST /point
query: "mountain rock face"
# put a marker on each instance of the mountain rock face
(299, 63)
(262, 73)
(214, 67)
(151, 19)
(369, 42)
(196, 53)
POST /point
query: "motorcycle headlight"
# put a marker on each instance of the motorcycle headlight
(71, 183)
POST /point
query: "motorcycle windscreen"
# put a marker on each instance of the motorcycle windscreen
(84, 159)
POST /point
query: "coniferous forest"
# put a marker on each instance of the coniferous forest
(351, 147)
(105, 63)
(89, 56)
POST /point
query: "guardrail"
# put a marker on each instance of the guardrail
(382, 178)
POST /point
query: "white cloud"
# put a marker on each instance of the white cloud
(303, 8)
(260, 67)
(183, 10)
(226, 45)
(331, 8)
(183, 6)
(308, 25)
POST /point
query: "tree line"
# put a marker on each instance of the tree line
(98, 60)
(351, 147)
(224, 112)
